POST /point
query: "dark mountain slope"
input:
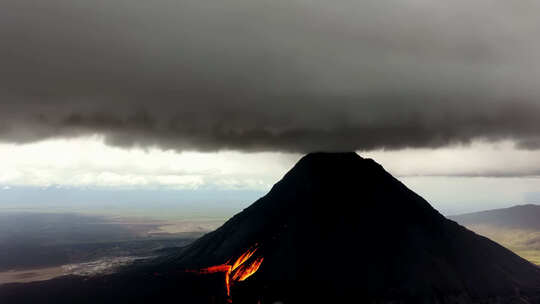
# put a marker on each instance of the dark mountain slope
(343, 227)
(516, 228)
(336, 229)
(517, 217)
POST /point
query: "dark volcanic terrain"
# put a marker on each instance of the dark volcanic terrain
(336, 229)
(342, 226)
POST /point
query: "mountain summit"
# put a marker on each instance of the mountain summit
(339, 227)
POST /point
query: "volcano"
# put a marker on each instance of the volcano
(338, 227)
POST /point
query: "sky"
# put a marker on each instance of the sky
(226, 95)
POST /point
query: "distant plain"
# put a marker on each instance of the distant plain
(40, 246)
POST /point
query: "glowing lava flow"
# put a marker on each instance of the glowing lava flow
(240, 270)
(246, 270)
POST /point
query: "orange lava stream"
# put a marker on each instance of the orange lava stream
(243, 258)
(214, 269)
(246, 270)
(240, 270)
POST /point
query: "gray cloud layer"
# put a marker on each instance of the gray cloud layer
(271, 74)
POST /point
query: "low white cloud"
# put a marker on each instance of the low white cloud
(480, 159)
(88, 161)
(454, 180)
(455, 195)
(482, 174)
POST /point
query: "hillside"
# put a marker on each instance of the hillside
(517, 228)
(337, 228)
(342, 225)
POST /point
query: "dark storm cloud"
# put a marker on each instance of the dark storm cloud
(271, 75)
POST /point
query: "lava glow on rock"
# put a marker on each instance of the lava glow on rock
(242, 268)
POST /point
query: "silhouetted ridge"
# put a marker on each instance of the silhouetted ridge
(339, 226)
(516, 217)
(324, 172)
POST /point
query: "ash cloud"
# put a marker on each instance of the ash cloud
(272, 75)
